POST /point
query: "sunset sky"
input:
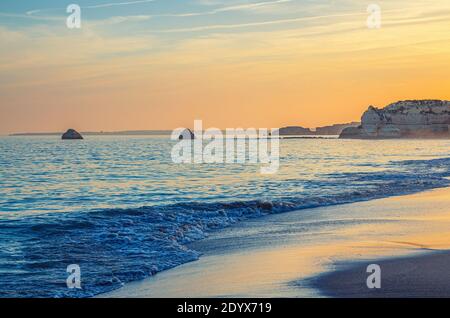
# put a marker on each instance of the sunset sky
(161, 64)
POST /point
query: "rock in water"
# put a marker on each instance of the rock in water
(404, 119)
(187, 134)
(71, 134)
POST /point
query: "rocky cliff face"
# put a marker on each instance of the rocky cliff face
(320, 131)
(295, 131)
(404, 119)
(334, 129)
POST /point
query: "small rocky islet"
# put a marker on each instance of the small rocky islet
(71, 134)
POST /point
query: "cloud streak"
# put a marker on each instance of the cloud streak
(97, 6)
(242, 7)
(262, 23)
(422, 18)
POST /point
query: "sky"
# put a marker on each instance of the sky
(161, 64)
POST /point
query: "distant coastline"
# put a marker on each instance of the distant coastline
(331, 130)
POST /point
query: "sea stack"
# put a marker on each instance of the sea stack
(187, 134)
(404, 119)
(71, 134)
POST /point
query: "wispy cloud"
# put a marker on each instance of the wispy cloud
(33, 17)
(240, 7)
(247, 6)
(421, 17)
(261, 23)
(96, 6)
(115, 4)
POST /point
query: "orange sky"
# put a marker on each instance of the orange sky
(107, 76)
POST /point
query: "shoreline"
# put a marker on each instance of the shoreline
(279, 255)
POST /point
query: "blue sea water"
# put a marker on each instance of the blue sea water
(120, 208)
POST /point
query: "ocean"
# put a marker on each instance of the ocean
(118, 206)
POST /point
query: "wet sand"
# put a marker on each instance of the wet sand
(421, 276)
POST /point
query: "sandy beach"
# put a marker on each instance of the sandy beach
(319, 253)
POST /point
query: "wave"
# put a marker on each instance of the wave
(116, 246)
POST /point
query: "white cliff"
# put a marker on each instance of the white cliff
(404, 119)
